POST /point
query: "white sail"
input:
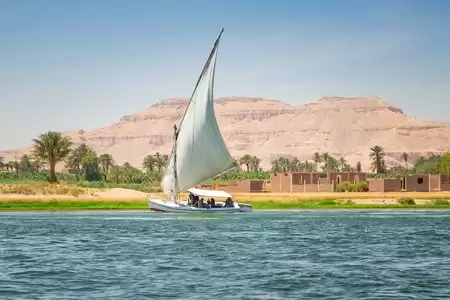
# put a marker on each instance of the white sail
(199, 151)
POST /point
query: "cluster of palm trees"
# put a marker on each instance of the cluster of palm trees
(155, 163)
(378, 164)
(324, 161)
(25, 164)
(250, 162)
(51, 148)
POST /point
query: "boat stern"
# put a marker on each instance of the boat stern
(246, 207)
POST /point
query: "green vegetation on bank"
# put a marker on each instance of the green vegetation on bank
(83, 204)
(85, 168)
(24, 205)
(335, 204)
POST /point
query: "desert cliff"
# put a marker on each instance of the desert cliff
(345, 127)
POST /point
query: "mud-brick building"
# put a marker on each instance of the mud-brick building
(246, 186)
(411, 183)
(311, 182)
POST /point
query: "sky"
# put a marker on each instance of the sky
(70, 65)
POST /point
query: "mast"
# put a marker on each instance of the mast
(175, 136)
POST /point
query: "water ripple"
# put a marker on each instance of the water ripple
(270, 255)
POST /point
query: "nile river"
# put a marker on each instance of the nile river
(382, 254)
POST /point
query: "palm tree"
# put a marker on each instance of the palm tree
(15, 165)
(74, 160)
(285, 164)
(149, 163)
(246, 160)
(294, 165)
(36, 165)
(325, 157)
(275, 165)
(254, 162)
(52, 147)
(358, 166)
(347, 168)
(26, 164)
(161, 161)
(309, 167)
(332, 165)
(90, 165)
(377, 156)
(317, 159)
(342, 163)
(405, 158)
(106, 161)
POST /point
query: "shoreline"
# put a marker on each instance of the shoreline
(142, 210)
(63, 204)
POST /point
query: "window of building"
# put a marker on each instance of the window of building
(419, 180)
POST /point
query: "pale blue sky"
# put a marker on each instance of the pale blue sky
(66, 65)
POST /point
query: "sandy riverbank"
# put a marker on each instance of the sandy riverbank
(127, 195)
(115, 194)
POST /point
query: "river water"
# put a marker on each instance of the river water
(264, 255)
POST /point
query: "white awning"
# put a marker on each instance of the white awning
(209, 193)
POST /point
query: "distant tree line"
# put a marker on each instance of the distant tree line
(85, 164)
(82, 162)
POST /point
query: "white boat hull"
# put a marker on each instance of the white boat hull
(159, 205)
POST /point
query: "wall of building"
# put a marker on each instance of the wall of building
(256, 186)
(376, 185)
(310, 182)
(280, 182)
(435, 183)
(312, 188)
(392, 185)
(417, 183)
(444, 183)
(346, 176)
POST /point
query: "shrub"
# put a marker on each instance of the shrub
(406, 201)
(352, 187)
(346, 202)
(440, 202)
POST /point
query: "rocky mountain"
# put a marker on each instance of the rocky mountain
(346, 127)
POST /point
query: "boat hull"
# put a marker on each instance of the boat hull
(158, 205)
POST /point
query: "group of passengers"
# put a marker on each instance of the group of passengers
(210, 203)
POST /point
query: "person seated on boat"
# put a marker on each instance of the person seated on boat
(201, 203)
(213, 202)
(195, 201)
(208, 203)
(229, 202)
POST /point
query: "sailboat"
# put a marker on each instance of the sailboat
(198, 154)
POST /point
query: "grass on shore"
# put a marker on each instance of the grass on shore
(91, 204)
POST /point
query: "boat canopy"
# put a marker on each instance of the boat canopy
(209, 193)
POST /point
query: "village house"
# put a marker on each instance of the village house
(311, 182)
(411, 183)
